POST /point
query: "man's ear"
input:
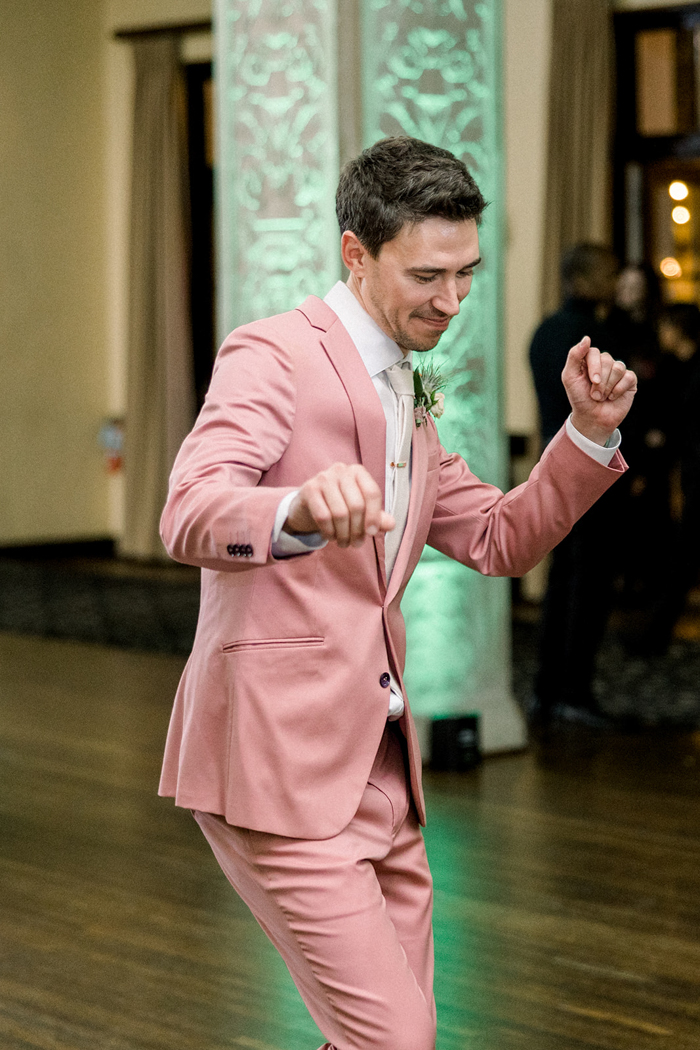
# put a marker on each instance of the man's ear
(354, 253)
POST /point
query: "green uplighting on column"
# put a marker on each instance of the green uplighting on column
(432, 70)
(277, 164)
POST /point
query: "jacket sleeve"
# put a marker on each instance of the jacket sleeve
(217, 514)
(507, 535)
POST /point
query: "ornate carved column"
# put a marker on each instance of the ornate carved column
(278, 155)
(431, 69)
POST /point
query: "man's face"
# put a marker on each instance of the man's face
(598, 286)
(604, 281)
(416, 284)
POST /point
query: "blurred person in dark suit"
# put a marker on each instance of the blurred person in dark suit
(679, 399)
(633, 325)
(579, 588)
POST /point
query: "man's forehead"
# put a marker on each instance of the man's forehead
(436, 225)
(435, 236)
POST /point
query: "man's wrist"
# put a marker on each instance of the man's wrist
(284, 519)
(292, 530)
(599, 435)
(294, 527)
(601, 454)
(282, 513)
(285, 544)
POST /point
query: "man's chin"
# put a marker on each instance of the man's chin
(424, 346)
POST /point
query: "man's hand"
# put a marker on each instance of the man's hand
(600, 389)
(343, 503)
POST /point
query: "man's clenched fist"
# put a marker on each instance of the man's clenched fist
(343, 503)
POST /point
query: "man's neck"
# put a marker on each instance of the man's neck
(355, 287)
(357, 290)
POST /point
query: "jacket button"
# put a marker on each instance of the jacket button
(385, 680)
(232, 549)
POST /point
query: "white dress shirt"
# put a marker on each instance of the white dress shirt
(378, 353)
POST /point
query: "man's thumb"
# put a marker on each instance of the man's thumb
(581, 348)
(577, 354)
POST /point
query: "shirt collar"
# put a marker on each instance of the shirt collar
(374, 346)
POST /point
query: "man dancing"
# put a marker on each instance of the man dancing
(306, 492)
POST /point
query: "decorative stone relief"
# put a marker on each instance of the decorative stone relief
(278, 155)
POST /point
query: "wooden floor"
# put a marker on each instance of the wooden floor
(567, 879)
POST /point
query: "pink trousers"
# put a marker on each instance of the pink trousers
(350, 915)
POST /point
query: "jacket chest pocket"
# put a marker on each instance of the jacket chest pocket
(248, 644)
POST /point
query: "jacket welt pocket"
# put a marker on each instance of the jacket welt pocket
(272, 643)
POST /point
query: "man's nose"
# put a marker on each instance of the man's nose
(447, 301)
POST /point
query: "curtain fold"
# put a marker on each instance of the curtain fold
(579, 185)
(160, 395)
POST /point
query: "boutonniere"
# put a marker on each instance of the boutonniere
(428, 383)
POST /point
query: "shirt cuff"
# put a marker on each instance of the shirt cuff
(600, 453)
(284, 544)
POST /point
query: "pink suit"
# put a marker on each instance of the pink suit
(282, 706)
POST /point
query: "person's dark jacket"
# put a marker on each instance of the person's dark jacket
(680, 394)
(690, 456)
(548, 352)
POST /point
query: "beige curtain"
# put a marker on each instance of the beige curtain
(160, 404)
(579, 184)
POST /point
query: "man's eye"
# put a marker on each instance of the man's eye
(421, 279)
(466, 273)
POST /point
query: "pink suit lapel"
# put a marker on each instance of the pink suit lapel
(366, 406)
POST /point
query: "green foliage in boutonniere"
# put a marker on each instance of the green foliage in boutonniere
(428, 383)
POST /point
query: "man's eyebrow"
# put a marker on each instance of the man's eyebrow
(438, 269)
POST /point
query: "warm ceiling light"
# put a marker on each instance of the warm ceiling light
(670, 267)
(678, 190)
(680, 214)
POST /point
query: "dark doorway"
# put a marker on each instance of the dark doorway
(657, 145)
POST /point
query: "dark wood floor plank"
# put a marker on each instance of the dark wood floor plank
(567, 885)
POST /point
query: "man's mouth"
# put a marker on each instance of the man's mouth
(438, 323)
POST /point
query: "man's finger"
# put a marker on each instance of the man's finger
(356, 506)
(386, 522)
(624, 385)
(576, 356)
(600, 390)
(615, 373)
(319, 511)
(374, 502)
(594, 365)
(340, 512)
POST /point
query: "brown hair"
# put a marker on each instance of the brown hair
(403, 180)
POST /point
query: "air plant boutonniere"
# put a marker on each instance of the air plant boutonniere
(428, 383)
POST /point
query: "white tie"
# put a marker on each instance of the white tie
(400, 376)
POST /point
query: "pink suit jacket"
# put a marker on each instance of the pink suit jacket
(283, 702)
